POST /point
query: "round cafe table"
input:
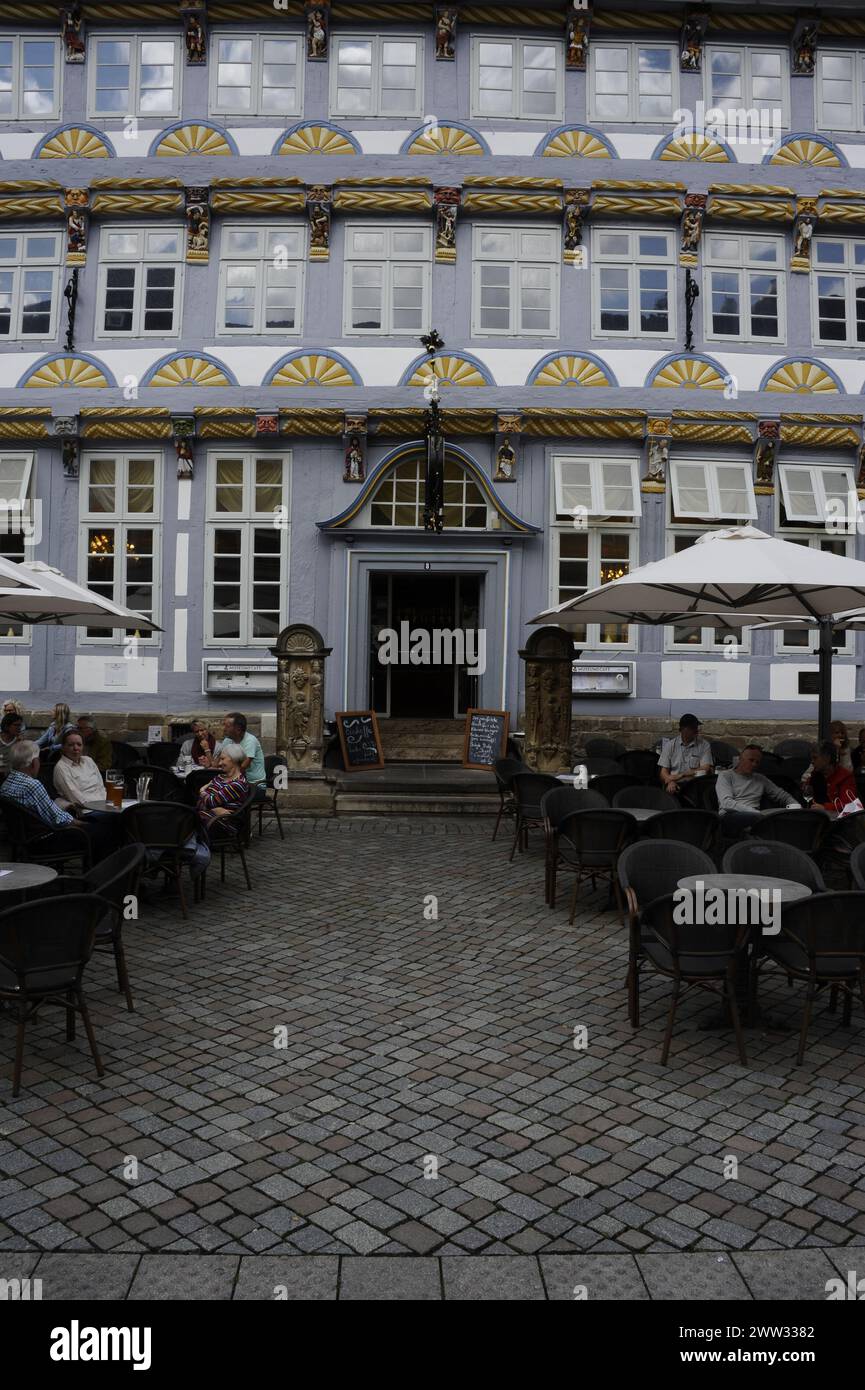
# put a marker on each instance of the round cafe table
(15, 878)
(788, 890)
(109, 805)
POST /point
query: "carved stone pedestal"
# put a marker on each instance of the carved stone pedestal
(300, 654)
(548, 655)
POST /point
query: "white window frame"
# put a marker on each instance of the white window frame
(417, 502)
(849, 272)
(388, 259)
(708, 642)
(596, 467)
(258, 38)
(846, 645)
(633, 264)
(246, 521)
(18, 40)
(135, 40)
(260, 262)
(748, 102)
(120, 521)
(633, 117)
(19, 268)
(515, 262)
(140, 261)
(743, 268)
(711, 465)
(818, 489)
(858, 122)
(518, 45)
(593, 532)
(14, 500)
(413, 110)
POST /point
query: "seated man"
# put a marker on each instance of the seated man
(23, 789)
(741, 789)
(234, 728)
(77, 779)
(96, 744)
(685, 756)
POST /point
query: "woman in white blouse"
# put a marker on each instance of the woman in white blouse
(77, 779)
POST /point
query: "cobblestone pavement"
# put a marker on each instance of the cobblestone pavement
(428, 1100)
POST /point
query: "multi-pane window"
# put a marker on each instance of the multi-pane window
(134, 75)
(29, 284)
(806, 639)
(840, 93)
(256, 75)
(746, 79)
(139, 282)
(633, 275)
(743, 286)
(261, 279)
(247, 547)
(399, 498)
(377, 76)
(387, 278)
(712, 490)
(691, 637)
(633, 82)
(120, 533)
(584, 558)
(18, 528)
(520, 78)
(590, 486)
(29, 76)
(838, 289)
(815, 492)
(516, 281)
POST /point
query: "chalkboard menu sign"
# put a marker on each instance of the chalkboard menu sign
(359, 739)
(486, 736)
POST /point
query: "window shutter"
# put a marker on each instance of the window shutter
(573, 485)
(690, 490)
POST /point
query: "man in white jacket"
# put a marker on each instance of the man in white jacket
(77, 779)
(741, 790)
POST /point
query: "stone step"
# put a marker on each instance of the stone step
(405, 804)
(427, 788)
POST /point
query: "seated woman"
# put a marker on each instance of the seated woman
(77, 779)
(61, 720)
(227, 791)
(829, 779)
(198, 750)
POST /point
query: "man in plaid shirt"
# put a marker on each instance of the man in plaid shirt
(23, 788)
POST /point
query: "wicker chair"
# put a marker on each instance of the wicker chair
(643, 798)
(555, 806)
(694, 956)
(649, 870)
(821, 942)
(504, 769)
(687, 825)
(589, 844)
(527, 789)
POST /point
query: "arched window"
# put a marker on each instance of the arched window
(398, 499)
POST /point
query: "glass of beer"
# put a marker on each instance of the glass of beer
(114, 781)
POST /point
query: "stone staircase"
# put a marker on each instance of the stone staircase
(419, 789)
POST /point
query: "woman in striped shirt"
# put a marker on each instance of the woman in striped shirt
(228, 790)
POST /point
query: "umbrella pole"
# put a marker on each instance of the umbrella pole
(824, 702)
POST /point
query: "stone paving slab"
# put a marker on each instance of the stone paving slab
(382, 1064)
(690, 1277)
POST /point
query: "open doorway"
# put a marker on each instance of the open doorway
(424, 602)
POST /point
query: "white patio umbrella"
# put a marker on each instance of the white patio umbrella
(35, 593)
(739, 577)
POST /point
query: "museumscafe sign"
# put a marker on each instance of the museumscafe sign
(359, 739)
(486, 736)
